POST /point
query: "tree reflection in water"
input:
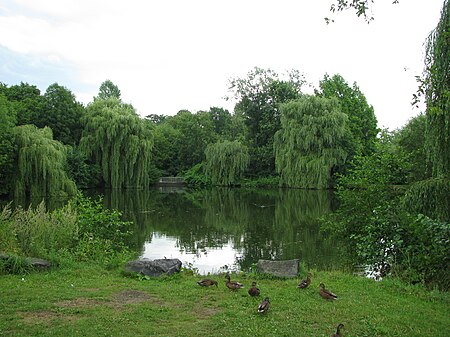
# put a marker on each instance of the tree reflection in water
(217, 226)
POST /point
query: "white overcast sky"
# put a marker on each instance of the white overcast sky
(170, 55)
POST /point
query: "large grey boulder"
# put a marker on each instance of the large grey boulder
(39, 264)
(154, 268)
(283, 268)
(34, 262)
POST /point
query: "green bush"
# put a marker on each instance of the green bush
(82, 230)
(376, 229)
(15, 265)
(81, 170)
(36, 232)
(196, 177)
(102, 235)
(430, 197)
(8, 242)
(269, 181)
(425, 252)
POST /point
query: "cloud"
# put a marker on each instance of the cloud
(172, 55)
(16, 67)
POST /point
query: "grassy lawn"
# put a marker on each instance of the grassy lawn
(88, 301)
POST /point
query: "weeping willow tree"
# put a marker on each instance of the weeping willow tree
(226, 162)
(437, 79)
(41, 164)
(119, 141)
(432, 196)
(311, 142)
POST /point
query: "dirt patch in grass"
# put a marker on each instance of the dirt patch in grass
(117, 300)
(80, 302)
(91, 289)
(201, 311)
(133, 296)
(44, 317)
(204, 312)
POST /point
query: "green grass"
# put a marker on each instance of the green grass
(108, 303)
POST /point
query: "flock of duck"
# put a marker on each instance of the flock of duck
(265, 304)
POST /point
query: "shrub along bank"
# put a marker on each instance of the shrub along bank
(82, 230)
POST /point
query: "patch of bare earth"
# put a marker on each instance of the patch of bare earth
(119, 299)
(204, 312)
(80, 302)
(91, 289)
(44, 317)
(133, 296)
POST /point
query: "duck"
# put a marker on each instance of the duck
(305, 283)
(326, 294)
(207, 282)
(264, 306)
(338, 331)
(233, 285)
(254, 291)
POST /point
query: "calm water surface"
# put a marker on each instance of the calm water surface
(221, 228)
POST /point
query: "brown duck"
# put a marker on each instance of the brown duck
(233, 285)
(326, 294)
(207, 282)
(254, 291)
(264, 306)
(338, 331)
(305, 283)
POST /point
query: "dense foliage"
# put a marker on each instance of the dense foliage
(405, 228)
(82, 231)
(40, 166)
(411, 138)
(108, 90)
(7, 145)
(437, 93)
(311, 143)
(258, 97)
(362, 122)
(111, 146)
(194, 132)
(62, 114)
(26, 102)
(119, 142)
(435, 85)
(226, 162)
(375, 227)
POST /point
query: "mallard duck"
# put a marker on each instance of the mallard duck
(254, 291)
(305, 283)
(264, 305)
(207, 282)
(233, 285)
(338, 331)
(326, 294)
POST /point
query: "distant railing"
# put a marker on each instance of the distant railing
(171, 180)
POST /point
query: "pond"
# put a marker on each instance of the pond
(222, 228)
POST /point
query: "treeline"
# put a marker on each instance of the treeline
(52, 144)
